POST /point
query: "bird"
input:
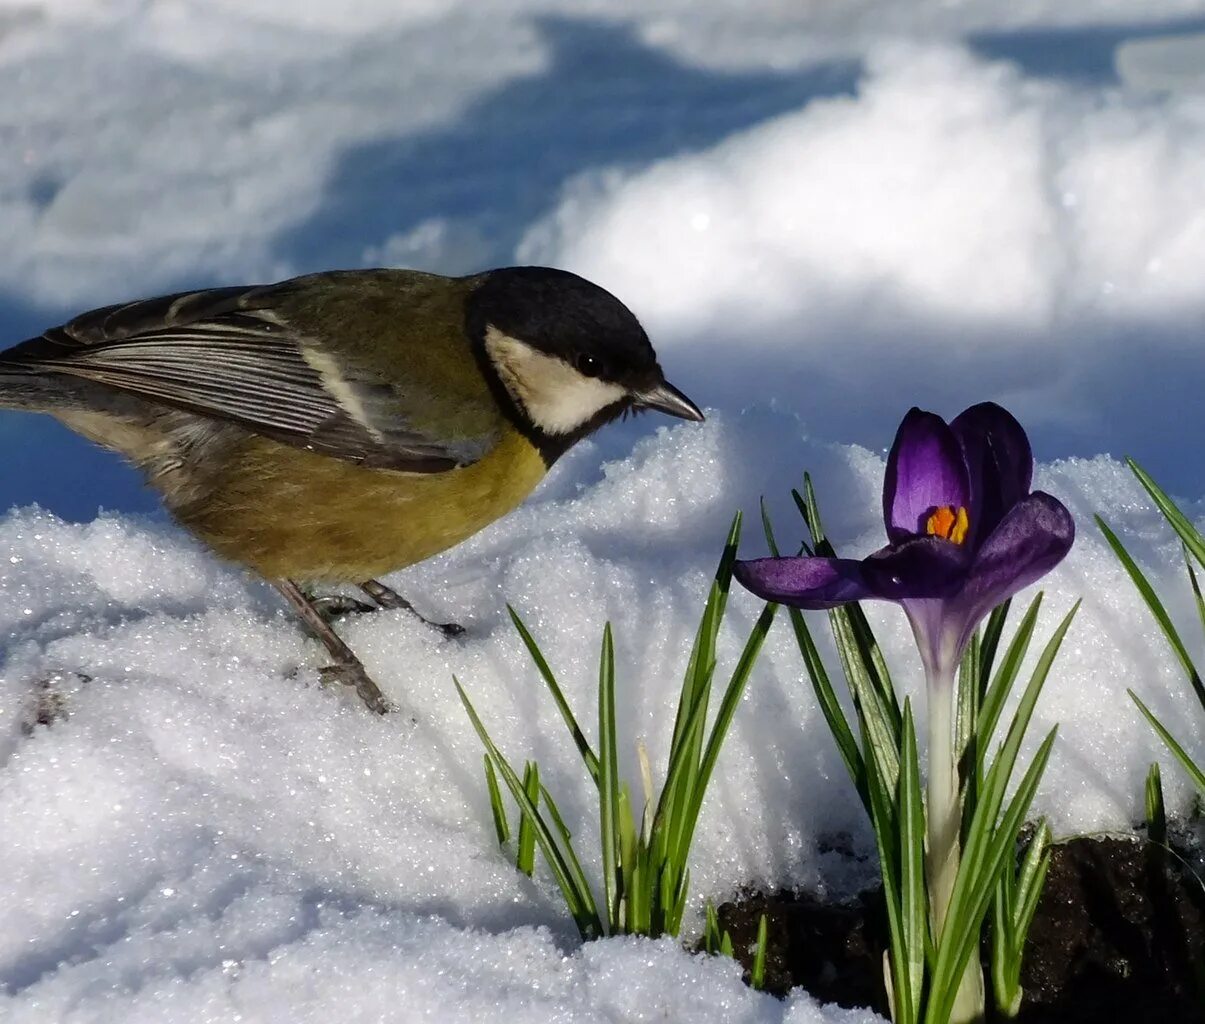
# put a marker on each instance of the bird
(339, 426)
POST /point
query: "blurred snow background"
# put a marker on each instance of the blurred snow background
(823, 212)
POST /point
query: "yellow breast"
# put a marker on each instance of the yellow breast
(291, 513)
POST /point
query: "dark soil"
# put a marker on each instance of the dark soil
(1119, 935)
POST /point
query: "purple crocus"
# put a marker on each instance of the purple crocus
(964, 534)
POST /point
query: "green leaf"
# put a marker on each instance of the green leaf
(914, 904)
(972, 693)
(673, 922)
(501, 825)
(1194, 772)
(631, 881)
(1013, 908)
(711, 929)
(723, 720)
(570, 854)
(537, 656)
(1001, 948)
(1200, 601)
(989, 843)
(767, 528)
(1179, 522)
(567, 872)
(851, 621)
(967, 715)
(726, 946)
(830, 706)
(1156, 812)
(757, 976)
(992, 633)
(1151, 598)
(608, 778)
(525, 857)
(978, 875)
(883, 736)
(1002, 684)
(686, 746)
(1029, 878)
(884, 823)
(1026, 908)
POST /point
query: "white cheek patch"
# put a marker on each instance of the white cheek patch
(556, 396)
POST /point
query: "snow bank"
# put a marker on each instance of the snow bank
(819, 227)
(954, 231)
(206, 827)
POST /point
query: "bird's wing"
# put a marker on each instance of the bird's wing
(225, 353)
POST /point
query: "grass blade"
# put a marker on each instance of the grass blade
(558, 696)
(914, 904)
(1030, 876)
(757, 975)
(830, 706)
(989, 843)
(570, 854)
(525, 856)
(1002, 684)
(723, 720)
(992, 634)
(1151, 598)
(1179, 522)
(884, 826)
(498, 809)
(985, 860)
(1156, 811)
(852, 622)
(1200, 602)
(568, 874)
(608, 778)
(1180, 754)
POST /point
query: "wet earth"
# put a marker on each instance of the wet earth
(1119, 935)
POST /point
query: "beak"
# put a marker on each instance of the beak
(668, 399)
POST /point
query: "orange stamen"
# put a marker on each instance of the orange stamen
(948, 524)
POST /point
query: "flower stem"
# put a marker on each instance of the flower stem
(943, 820)
(943, 817)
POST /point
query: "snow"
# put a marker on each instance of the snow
(823, 213)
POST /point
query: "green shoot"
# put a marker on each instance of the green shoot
(1194, 550)
(644, 850)
(927, 967)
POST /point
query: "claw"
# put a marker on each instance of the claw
(353, 675)
(387, 597)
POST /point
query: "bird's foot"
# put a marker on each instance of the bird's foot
(451, 630)
(353, 674)
(387, 597)
(336, 606)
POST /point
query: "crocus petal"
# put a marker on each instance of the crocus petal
(925, 470)
(918, 568)
(999, 464)
(811, 583)
(1032, 538)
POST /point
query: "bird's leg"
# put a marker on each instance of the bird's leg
(389, 598)
(347, 668)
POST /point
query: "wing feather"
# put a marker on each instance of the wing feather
(226, 354)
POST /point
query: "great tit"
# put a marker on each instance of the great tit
(343, 425)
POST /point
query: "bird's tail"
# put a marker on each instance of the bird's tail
(31, 389)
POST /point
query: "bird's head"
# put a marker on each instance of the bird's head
(564, 356)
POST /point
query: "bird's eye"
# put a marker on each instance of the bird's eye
(588, 365)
